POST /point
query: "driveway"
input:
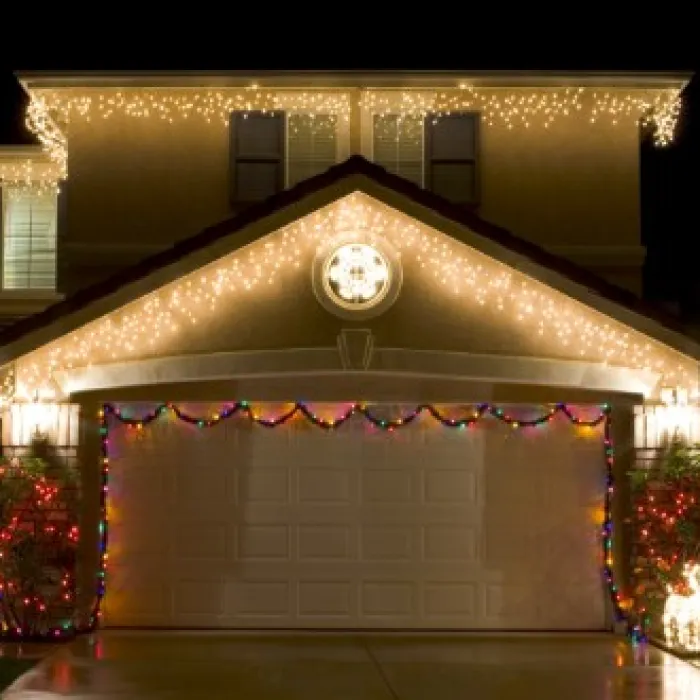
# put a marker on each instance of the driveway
(136, 665)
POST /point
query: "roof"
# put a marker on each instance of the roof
(600, 289)
(352, 78)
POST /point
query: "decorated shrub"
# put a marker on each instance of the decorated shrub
(38, 544)
(665, 526)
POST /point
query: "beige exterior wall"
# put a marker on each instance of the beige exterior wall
(138, 184)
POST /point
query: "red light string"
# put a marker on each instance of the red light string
(244, 408)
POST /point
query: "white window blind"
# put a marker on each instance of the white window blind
(311, 145)
(398, 145)
(29, 240)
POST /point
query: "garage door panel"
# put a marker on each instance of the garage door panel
(443, 600)
(389, 599)
(323, 542)
(323, 599)
(326, 486)
(449, 543)
(198, 598)
(202, 540)
(384, 486)
(388, 542)
(263, 485)
(260, 600)
(262, 542)
(296, 527)
(449, 486)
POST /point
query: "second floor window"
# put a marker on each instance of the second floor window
(438, 152)
(28, 240)
(274, 150)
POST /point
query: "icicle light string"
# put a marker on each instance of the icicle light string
(49, 111)
(551, 323)
(246, 409)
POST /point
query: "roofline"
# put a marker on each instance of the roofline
(339, 79)
(558, 273)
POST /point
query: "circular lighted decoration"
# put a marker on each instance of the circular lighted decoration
(356, 279)
(356, 275)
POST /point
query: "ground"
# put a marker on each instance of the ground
(157, 665)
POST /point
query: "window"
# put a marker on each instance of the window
(311, 145)
(257, 155)
(438, 152)
(451, 157)
(29, 240)
(271, 151)
(397, 145)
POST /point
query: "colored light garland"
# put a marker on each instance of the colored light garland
(549, 323)
(50, 111)
(246, 409)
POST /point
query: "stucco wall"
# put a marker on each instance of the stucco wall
(139, 184)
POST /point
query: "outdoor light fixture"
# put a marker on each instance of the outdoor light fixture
(23, 422)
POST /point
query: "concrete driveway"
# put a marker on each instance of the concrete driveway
(135, 665)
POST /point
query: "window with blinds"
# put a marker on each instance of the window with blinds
(29, 240)
(270, 151)
(397, 145)
(311, 145)
(438, 152)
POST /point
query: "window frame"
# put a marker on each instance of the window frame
(342, 151)
(339, 135)
(428, 162)
(372, 129)
(235, 156)
(28, 291)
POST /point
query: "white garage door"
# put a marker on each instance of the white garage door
(426, 527)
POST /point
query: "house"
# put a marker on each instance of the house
(389, 394)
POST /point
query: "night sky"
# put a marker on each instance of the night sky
(670, 184)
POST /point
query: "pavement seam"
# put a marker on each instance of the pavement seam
(379, 669)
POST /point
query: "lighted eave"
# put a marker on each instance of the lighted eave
(31, 80)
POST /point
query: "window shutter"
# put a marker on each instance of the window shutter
(398, 145)
(451, 143)
(257, 155)
(311, 145)
(29, 241)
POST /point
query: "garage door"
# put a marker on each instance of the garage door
(292, 527)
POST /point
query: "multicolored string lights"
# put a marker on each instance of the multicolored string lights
(248, 411)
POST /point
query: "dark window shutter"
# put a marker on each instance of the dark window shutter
(451, 156)
(257, 156)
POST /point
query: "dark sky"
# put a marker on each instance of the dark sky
(670, 184)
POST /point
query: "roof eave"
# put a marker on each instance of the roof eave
(348, 79)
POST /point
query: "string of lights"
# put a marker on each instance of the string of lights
(51, 111)
(549, 322)
(249, 411)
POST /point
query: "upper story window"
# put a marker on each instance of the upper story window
(439, 153)
(274, 150)
(28, 240)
